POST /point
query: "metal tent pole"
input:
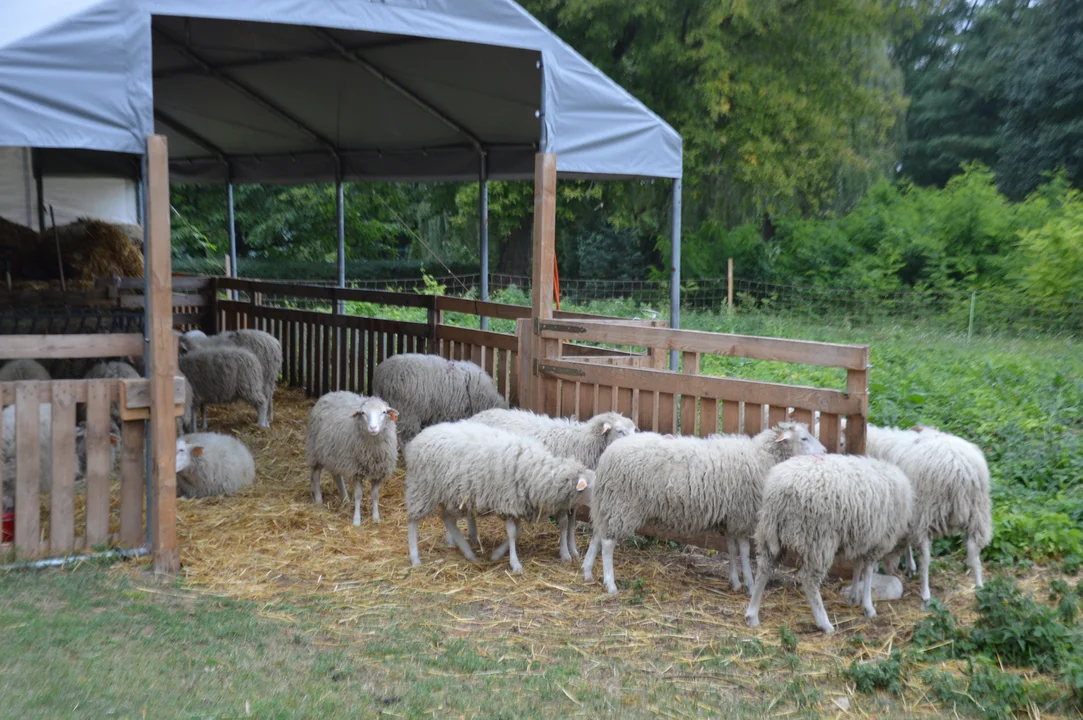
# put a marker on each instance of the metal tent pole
(232, 234)
(340, 213)
(675, 270)
(483, 224)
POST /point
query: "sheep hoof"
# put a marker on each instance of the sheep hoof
(752, 620)
(516, 568)
(828, 630)
(565, 557)
(870, 612)
(588, 577)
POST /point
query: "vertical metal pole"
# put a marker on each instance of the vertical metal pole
(148, 438)
(340, 211)
(675, 270)
(970, 326)
(39, 186)
(483, 224)
(231, 219)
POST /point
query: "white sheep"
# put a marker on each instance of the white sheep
(582, 441)
(687, 485)
(23, 370)
(211, 464)
(352, 436)
(224, 374)
(951, 495)
(427, 389)
(266, 348)
(45, 441)
(468, 468)
(821, 505)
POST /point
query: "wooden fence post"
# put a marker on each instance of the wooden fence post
(435, 317)
(160, 363)
(542, 279)
(857, 384)
(210, 319)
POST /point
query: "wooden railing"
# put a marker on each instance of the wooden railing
(687, 402)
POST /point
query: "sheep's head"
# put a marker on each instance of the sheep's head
(191, 340)
(185, 452)
(613, 425)
(374, 414)
(798, 439)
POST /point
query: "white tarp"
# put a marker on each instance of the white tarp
(299, 90)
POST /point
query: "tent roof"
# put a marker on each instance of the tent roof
(302, 90)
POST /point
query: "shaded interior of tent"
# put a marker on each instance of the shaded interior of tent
(236, 100)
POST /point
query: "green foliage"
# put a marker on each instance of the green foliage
(1018, 631)
(787, 638)
(939, 634)
(322, 270)
(885, 674)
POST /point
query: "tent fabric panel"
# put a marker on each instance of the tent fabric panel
(81, 80)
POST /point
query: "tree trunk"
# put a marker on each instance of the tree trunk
(515, 253)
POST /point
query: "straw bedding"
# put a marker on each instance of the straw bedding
(272, 543)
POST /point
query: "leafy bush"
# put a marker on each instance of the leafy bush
(883, 674)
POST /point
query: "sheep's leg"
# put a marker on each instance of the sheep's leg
(746, 562)
(866, 601)
(472, 530)
(448, 540)
(375, 492)
(926, 550)
(562, 521)
(499, 550)
(571, 534)
(910, 566)
(608, 544)
(767, 569)
(857, 578)
(457, 537)
(342, 487)
(316, 492)
(357, 503)
(411, 534)
(811, 587)
(589, 557)
(973, 559)
(261, 415)
(203, 410)
(735, 574)
(891, 564)
(512, 526)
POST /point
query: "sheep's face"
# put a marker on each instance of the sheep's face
(80, 445)
(375, 414)
(615, 426)
(185, 453)
(191, 340)
(798, 435)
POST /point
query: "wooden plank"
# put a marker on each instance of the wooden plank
(803, 415)
(605, 399)
(178, 300)
(475, 354)
(132, 473)
(160, 368)
(370, 360)
(829, 431)
(500, 359)
(41, 347)
(545, 223)
(623, 399)
(312, 378)
(479, 307)
(568, 397)
(335, 358)
(760, 348)
(586, 408)
(27, 469)
(330, 294)
(523, 369)
(753, 418)
(708, 416)
(62, 496)
(731, 417)
(689, 366)
(513, 379)
(667, 413)
(709, 386)
(857, 387)
(644, 413)
(97, 462)
(776, 414)
(179, 282)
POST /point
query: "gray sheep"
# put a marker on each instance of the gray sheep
(222, 375)
(266, 348)
(428, 389)
(45, 440)
(23, 370)
(820, 505)
(114, 370)
(210, 464)
(468, 468)
(582, 441)
(352, 436)
(687, 485)
(951, 495)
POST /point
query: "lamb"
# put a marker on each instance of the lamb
(582, 441)
(469, 468)
(687, 485)
(951, 495)
(23, 370)
(266, 348)
(45, 440)
(352, 436)
(221, 375)
(821, 505)
(210, 464)
(428, 389)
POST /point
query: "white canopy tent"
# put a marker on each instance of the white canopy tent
(281, 91)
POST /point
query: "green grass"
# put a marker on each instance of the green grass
(86, 643)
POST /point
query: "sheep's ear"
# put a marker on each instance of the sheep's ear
(358, 413)
(196, 451)
(393, 414)
(606, 427)
(582, 484)
(784, 435)
(114, 439)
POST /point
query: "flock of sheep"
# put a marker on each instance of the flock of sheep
(467, 454)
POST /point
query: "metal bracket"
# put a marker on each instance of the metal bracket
(541, 367)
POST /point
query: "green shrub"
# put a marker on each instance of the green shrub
(885, 674)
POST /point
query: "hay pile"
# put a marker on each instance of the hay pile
(90, 249)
